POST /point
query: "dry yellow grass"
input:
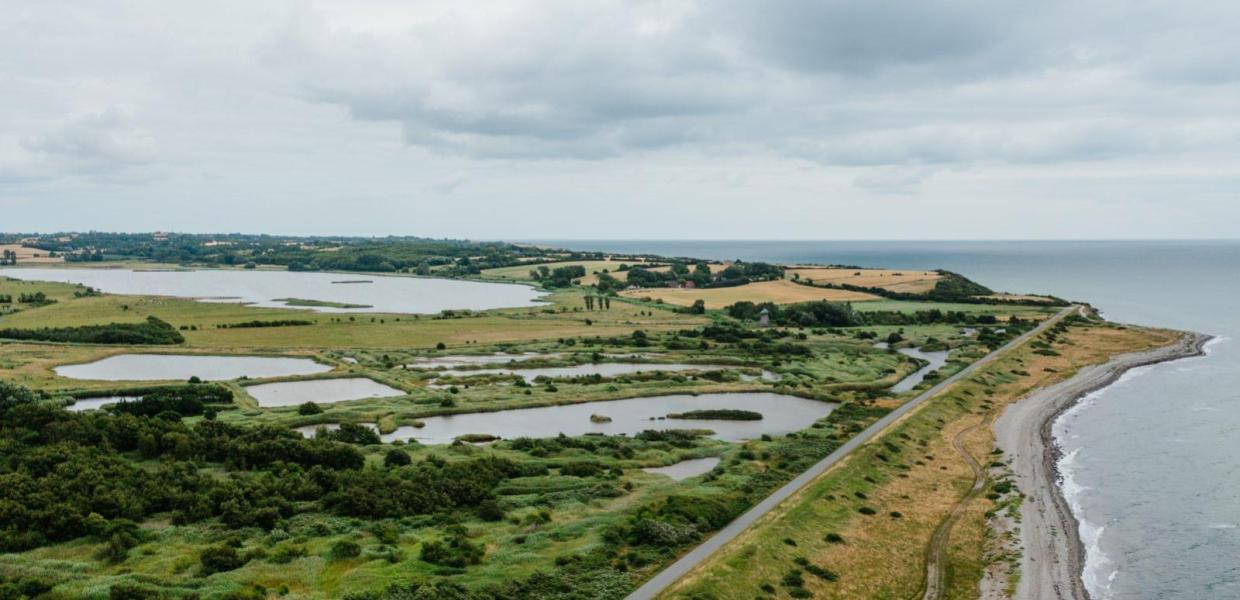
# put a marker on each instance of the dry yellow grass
(912, 282)
(884, 556)
(779, 292)
(27, 256)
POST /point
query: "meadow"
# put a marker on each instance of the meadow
(584, 515)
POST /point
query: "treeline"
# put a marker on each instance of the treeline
(804, 314)
(183, 401)
(153, 331)
(951, 287)
(821, 313)
(35, 298)
(272, 323)
(558, 276)
(391, 254)
(679, 273)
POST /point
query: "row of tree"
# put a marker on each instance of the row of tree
(152, 331)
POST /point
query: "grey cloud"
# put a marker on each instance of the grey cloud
(838, 82)
(102, 144)
(308, 106)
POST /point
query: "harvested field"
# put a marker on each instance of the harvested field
(910, 282)
(30, 256)
(779, 292)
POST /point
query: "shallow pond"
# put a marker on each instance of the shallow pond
(686, 468)
(309, 431)
(370, 293)
(86, 404)
(936, 360)
(151, 367)
(602, 369)
(781, 414)
(319, 391)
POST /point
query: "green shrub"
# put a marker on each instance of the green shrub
(217, 559)
(344, 550)
(396, 458)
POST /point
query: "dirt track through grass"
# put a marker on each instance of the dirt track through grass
(935, 585)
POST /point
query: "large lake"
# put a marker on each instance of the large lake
(154, 367)
(379, 293)
(781, 414)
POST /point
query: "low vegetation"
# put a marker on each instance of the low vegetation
(194, 491)
(724, 414)
(153, 331)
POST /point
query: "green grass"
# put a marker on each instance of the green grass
(841, 369)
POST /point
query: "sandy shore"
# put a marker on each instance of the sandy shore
(1053, 555)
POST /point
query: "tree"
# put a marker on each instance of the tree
(396, 458)
(309, 408)
(698, 308)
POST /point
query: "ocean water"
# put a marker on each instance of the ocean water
(1152, 463)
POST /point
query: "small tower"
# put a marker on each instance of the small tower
(764, 318)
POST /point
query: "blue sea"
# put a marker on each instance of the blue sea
(1152, 465)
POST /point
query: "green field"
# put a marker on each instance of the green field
(597, 529)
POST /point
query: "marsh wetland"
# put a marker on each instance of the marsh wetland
(464, 439)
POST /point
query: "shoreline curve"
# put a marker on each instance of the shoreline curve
(1053, 557)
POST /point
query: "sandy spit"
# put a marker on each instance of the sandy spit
(1053, 556)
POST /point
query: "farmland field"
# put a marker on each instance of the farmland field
(779, 292)
(913, 282)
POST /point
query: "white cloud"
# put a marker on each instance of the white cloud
(369, 115)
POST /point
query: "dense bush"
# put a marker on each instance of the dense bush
(272, 323)
(721, 414)
(217, 559)
(454, 551)
(153, 331)
(804, 314)
(185, 400)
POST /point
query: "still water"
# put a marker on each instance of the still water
(153, 367)
(686, 468)
(781, 414)
(319, 391)
(98, 403)
(935, 359)
(372, 293)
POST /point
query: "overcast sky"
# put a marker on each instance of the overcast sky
(922, 119)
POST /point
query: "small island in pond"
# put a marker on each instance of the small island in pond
(320, 303)
(721, 414)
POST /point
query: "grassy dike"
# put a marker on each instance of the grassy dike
(863, 529)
